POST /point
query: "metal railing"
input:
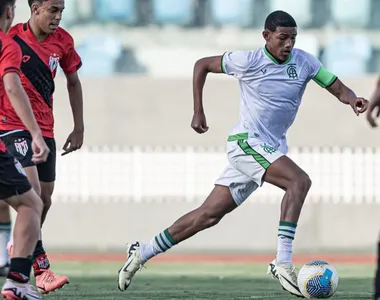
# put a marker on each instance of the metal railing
(339, 175)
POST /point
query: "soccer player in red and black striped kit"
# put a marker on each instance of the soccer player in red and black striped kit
(374, 111)
(44, 46)
(15, 188)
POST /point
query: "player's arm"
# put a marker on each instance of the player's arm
(74, 88)
(10, 62)
(202, 67)
(231, 63)
(374, 106)
(337, 88)
(70, 63)
(20, 102)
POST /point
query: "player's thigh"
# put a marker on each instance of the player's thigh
(284, 172)
(253, 158)
(19, 144)
(32, 174)
(29, 200)
(13, 180)
(4, 212)
(47, 170)
(233, 187)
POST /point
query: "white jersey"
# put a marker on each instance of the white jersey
(270, 92)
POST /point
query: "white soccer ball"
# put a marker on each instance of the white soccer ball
(318, 279)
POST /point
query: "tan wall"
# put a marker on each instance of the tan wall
(148, 111)
(253, 227)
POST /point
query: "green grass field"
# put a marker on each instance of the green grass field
(215, 281)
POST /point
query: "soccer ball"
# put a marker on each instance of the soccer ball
(318, 279)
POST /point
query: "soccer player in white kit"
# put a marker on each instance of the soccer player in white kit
(272, 81)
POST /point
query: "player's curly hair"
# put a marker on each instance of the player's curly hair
(279, 18)
(4, 4)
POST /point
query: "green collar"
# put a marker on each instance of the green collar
(272, 58)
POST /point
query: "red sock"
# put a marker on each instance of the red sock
(41, 264)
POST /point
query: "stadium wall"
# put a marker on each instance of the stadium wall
(146, 111)
(107, 196)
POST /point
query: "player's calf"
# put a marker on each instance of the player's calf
(216, 206)
(28, 206)
(46, 280)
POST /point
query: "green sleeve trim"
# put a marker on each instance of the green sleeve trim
(324, 78)
(222, 64)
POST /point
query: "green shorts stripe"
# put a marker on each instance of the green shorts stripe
(238, 136)
(256, 155)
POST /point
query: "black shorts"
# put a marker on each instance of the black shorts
(13, 180)
(20, 145)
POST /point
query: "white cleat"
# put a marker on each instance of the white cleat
(287, 276)
(17, 291)
(131, 266)
(271, 271)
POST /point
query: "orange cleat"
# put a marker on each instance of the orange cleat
(48, 281)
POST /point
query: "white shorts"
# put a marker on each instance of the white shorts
(249, 158)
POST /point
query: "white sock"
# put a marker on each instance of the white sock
(286, 233)
(5, 235)
(159, 244)
(284, 250)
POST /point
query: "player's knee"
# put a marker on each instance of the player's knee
(301, 184)
(46, 199)
(36, 187)
(29, 199)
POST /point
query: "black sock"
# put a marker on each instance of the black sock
(377, 279)
(38, 250)
(19, 270)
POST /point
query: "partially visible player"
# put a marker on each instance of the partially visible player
(373, 113)
(45, 46)
(272, 81)
(14, 186)
(5, 235)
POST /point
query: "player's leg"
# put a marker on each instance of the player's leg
(264, 163)
(5, 235)
(284, 173)
(47, 281)
(377, 278)
(19, 144)
(17, 192)
(217, 205)
(231, 189)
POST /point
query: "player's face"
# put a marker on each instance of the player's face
(281, 42)
(48, 14)
(10, 13)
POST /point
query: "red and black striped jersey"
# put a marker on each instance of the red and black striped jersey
(40, 60)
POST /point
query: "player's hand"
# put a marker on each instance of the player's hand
(199, 123)
(40, 149)
(73, 142)
(359, 105)
(373, 109)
